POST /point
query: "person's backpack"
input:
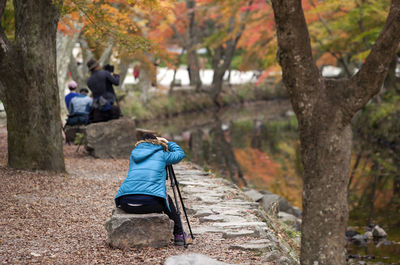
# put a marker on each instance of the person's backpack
(101, 103)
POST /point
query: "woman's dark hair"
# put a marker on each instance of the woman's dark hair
(148, 136)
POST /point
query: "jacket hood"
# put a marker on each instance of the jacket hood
(144, 149)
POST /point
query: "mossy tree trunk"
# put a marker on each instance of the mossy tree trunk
(324, 109)
(29, 87)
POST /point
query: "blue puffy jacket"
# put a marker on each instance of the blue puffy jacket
(147, 173)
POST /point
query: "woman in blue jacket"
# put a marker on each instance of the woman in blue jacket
(144, 190)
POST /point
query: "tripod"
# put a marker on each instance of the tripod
(175, 184)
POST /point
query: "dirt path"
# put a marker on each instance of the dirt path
(59, 218)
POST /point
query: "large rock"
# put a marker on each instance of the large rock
(111, 139)
(270, 202)
(285, 206)
(254, 195)
(192, 259)
(274, 203)
(378, 232)
(138, 230)
(290, 220)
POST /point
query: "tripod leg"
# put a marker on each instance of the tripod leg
(173, 186)
(172, 175)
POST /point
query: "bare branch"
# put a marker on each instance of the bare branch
(300, 73)
(368, 81)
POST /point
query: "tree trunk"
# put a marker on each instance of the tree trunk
(125, 61)
(144, 84)
(80, 72)
(191, 46)
(216, 86)
(324, 109)
(29, 75)
(171, 87)
(326, 156)
(392, 81)
(106, 54)
(65, 45)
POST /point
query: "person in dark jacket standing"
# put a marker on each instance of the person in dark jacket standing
(99, 80)
(103, 101)
(144, 189)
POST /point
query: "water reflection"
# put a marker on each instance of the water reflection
(218, 150)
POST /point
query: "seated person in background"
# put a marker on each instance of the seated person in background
(144, 189)
(72, 85)
(79, 108)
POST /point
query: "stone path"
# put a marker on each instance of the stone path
(221, 207)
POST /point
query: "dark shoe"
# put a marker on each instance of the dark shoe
(178, 239)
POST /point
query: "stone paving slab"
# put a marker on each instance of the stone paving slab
(255, 245)
(221, 207)
(239, 224)
(203, 213)
(206, 229)
(240, 233)
(197, 173)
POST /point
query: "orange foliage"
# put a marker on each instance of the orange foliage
(264, 172)
(326, 59)
(363, 180)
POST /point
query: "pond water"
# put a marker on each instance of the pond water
(256, 144)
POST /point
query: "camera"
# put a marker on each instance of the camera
(109, 68)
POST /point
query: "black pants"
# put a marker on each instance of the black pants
(158, 207)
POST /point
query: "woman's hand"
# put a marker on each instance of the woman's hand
(162, 139)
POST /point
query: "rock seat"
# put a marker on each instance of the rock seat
(138, 230)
